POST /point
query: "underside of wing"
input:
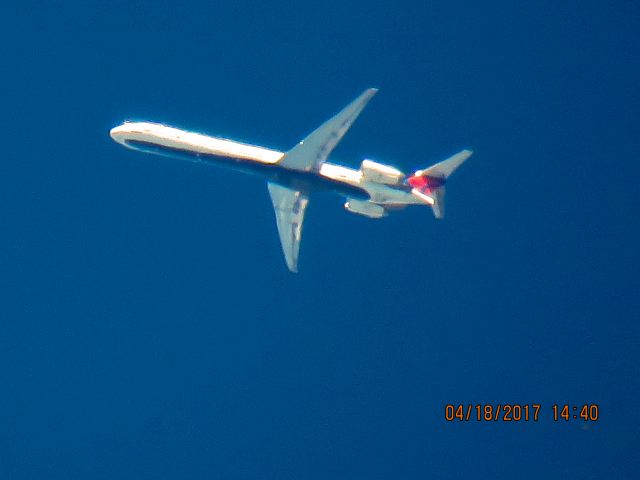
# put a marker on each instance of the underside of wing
(311, 152)
(289, 206)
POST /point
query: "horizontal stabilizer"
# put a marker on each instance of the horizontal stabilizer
(446, 167)
(311, 152)
(429, 184)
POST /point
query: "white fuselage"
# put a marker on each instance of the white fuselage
(169, 141)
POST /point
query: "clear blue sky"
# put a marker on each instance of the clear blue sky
(149, 328)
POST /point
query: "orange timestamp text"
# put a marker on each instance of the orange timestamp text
(508, 412)
(515, 412)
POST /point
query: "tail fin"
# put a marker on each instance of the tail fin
(431, 181)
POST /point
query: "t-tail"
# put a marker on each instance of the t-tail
(429, 184)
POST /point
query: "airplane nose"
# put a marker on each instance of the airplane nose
(118, 133)
(115, 132)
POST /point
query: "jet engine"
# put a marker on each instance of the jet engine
(366, 208)
(379, 173)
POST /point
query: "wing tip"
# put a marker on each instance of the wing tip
(369, 93)
(292, 264)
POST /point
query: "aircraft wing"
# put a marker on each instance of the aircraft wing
(311, 152)
(289, 206)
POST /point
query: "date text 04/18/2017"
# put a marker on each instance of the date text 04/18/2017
(514, 412)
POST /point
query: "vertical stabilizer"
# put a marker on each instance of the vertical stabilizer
(438, 202)
(431, 181)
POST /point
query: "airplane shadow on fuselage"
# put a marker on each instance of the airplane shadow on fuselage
(306, 182)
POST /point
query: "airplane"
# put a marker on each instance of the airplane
(373, 190)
